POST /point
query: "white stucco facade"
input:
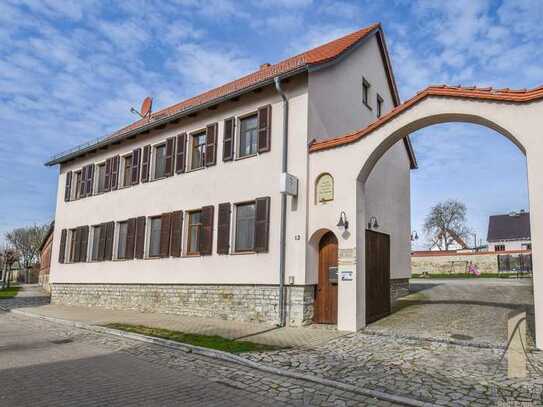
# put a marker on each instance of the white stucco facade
(322, 104)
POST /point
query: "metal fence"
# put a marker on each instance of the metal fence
(520, 264)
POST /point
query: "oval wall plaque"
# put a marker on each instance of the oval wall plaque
(325, 188)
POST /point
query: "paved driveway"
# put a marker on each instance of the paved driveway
(475, 310)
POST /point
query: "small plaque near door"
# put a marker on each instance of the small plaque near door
(332, 274)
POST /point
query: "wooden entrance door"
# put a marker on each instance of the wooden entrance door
(325, 311)
(377, 275)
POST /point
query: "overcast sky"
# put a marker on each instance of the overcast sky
(70, 70)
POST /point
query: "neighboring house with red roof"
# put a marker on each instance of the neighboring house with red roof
(509, 232)
(187, 211)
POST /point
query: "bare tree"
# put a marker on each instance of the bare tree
(8, 257)
(26, 241)
(446, 223)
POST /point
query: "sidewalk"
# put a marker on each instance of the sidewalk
(33, 299)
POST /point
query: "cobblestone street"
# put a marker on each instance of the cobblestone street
(47, 364)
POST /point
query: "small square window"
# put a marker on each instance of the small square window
(160, 161)
(154, 237)
(101, 171)
(366, 93)
(379, 106)
(127, 170)
(198, 156)
(248, 136)
(245, 227)
(193, 235)
(121, 240)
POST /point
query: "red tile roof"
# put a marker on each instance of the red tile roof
(471, 92)
(315, 56)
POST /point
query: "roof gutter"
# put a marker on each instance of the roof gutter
(108, 140)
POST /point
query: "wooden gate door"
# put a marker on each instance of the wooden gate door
(325, 311)
(377, 275)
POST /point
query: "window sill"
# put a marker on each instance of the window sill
(246, 156)
(242, 253)
(195, 169)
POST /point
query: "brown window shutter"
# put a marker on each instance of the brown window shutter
(181, 155)
(136, 164)
(264, 129)
(170, 156)
(165, 224)
(145, 163)
(177, 232)
(262, 224)
(102, 243)
(140, 237)
(223, 229)
(206, 231)
(115, 172)
(62, 250)
(76, 256)
(84, 231)
(228, 139)
(130, 238)
(83, 182)
(107, 176)
(90, 180)
(110, 229)
(211, 145)
(68, 188)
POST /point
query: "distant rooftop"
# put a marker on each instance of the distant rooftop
(513, 226)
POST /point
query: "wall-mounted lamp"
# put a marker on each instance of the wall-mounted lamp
(372, 224)
(414, 236)
(343, 222)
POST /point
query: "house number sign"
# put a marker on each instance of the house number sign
(325, 188)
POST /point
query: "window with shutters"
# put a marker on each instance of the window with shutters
(366, 93)
(499, 248)
(127, 170)
(122, 235)
(73, 246)
(101, 181)
(159, 161)
(193, 235)
(248, 136)
(245, 227)
(76, 185)
(198, 150)
(154, 236)
(96, 233)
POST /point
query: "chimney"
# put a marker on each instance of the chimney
(265, 65)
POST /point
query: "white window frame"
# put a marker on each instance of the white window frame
(237, 138)
(75, 184)
(234, 227)
(116, 235)
(152, 160)
(366, 96)
(96, 180)
(122, 168)
(147, 247)
(91, 242)
(190, 144)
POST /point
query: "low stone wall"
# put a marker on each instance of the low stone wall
(486, 262)
(231, 302)
(399, 287)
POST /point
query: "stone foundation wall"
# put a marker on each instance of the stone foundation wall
(399, 287)
(232, 302)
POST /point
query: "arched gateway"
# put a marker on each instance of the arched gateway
(516, 114)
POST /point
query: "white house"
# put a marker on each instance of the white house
(184, 210)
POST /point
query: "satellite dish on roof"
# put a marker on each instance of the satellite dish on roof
(146, 106)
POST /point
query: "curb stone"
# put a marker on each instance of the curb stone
(228, 357)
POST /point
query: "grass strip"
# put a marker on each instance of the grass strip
(205, 341)
(9, 292)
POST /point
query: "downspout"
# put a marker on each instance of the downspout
(284, 169)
